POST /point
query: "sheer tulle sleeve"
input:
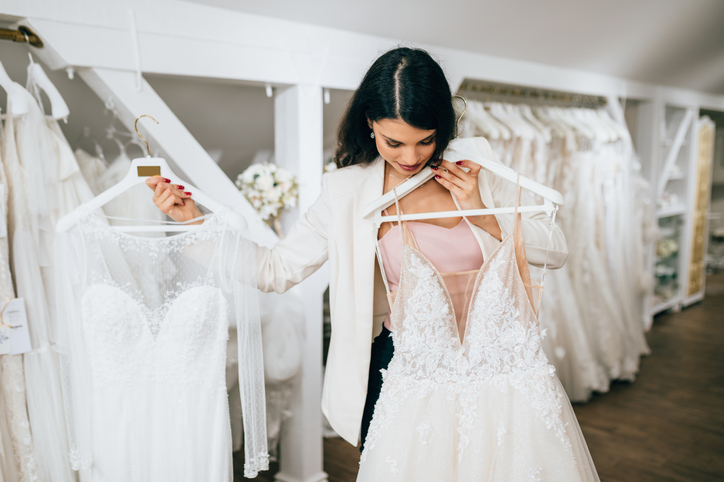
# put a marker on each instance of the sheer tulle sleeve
(243, 283)
(74, 361)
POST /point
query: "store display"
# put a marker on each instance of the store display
(149, 324)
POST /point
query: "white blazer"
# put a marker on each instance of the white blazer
(333, 229)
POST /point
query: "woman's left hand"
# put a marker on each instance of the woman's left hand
(464, 186)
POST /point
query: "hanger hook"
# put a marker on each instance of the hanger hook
(135, 125)
(27, 40)
(465, 108)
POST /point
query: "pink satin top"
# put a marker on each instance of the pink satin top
(455, 253)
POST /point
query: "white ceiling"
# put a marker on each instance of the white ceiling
(676, 43)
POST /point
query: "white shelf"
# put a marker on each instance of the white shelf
(671, 211)
(668, 304)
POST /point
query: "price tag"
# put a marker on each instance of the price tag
(14, 334)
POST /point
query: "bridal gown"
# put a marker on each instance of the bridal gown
(144, 324)
(31, 247)
(20, 463)
(484, 407)
(14, 368)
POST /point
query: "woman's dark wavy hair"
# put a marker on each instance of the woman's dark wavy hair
(405, 84)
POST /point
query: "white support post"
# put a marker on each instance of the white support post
(298, 147)
(674, 150)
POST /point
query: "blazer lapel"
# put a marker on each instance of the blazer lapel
(364, 263)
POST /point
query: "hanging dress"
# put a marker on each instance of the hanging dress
(13, 366)
(92, 168)
(31, 247)
(481, 404)
(143, 326)
(18, 451)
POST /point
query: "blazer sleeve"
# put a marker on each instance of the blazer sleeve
(536, 226)
(302, 252)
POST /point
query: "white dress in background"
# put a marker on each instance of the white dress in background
(487, 408)
(144, 325)
(32, 265)
(13, 370)
(602, 314)
(18, 453)
(92, 168)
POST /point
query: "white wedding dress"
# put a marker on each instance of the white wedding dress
(20, 461)
(39, 451)
(144, 324)
(483, 407)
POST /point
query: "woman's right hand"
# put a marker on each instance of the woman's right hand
(173, 200)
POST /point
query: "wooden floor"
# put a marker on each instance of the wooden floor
(666, 426)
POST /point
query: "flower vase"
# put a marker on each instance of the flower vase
(277, 226)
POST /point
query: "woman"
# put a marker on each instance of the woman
(400, 120)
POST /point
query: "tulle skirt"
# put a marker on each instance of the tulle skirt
(430, 438)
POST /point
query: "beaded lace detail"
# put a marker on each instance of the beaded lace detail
(502, 346)
(145, 355)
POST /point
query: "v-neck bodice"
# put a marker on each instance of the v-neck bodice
(454, 252)
(458, 403)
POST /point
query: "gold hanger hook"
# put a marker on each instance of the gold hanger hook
(135, 125)
(465, 108)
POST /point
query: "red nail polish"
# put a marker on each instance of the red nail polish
(437, 177)
(187, 193)
(167, 180)
(434, 168)
(459, 163)
(180, 186)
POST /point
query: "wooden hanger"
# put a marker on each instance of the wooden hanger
(141, 169)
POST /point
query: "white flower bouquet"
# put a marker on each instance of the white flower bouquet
(270, 189)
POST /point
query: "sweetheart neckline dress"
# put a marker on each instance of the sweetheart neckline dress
(144, 324)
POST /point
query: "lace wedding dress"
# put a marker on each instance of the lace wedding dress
(144, 324)
(20, 461)
(483, 407)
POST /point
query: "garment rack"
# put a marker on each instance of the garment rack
(22, 34)
(521, 93)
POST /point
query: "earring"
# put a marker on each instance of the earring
(372, 135)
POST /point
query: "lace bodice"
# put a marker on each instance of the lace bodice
(501, 345)
(144, 324)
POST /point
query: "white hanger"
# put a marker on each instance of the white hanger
(17, 100)
(142, 168)
(37, 79)
(484, 122)
(505, 130)
(458, 150)
(527, 114)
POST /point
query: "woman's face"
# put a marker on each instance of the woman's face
(404, 147)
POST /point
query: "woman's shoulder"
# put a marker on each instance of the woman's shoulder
(345, 180)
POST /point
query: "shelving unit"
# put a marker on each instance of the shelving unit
(667, 141)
